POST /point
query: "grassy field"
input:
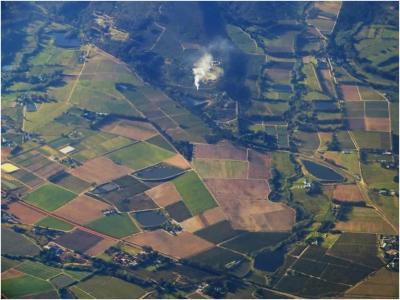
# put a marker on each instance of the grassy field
(389, 205)
(284, 42)
(377, 177)
(372, 140)
(195, 195)
(308, 141)
(110, 287)
(79, 293)
(54, 223)
(116, 225)
(38, 269)
(347, 160)
(216, 168)
(49, 197)
(17, 244)
(24, 285)
(140, 155)
(394, 116)
(242, 40)
(311, 79)
(281, 161)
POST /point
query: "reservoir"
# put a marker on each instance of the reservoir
(150, 218)
(321, 172)
(60, 40)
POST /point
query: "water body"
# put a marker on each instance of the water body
(270, 261)
(150, 218)
(158, 172)
(321, 172)
(60, 40)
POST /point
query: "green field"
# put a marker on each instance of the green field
(49, 197)
(311, 79)
(7, 263)
(195, 195)
(116, 225)
(242, 40)
(16, 244)
(372, 140)
(217, 168)
(38, 269)
(394, 117)
(80, 294)
(54, 223)
(24, 285)
(347, 160)
(140, 155)
(110, 287)
(283, 42)
(376, 109)
(61, 281)
(281, 161)
(308, 142)
(377, 177)
(389, 205)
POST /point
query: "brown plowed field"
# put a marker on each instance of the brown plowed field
(78, 240)
(178, 161)
(276, 74)
(164, 194)
(204, 219)
(82, 210)
(328, 82)
(100, 247)
(246, 205)
(25, 214)
(100, 170)
(219, 151)
(377, 124)
(11, 273)
(347, 193)
(350, 92)
(183, 245)
(259, 165)
(131, 129)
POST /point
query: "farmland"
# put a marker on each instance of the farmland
(117, 225)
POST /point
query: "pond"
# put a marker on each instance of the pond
(150, 218)
(158, 172)
(60, 40)
(270, 261)
(321, 172)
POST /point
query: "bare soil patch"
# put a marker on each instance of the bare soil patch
(25, 214)
(178, 161)
(164, 194)
(246, 205)
(219, 151)
(204, 219)
(100, 170)
(347, 193)
(182, 245)
(131, 129)
(11, 273)
(377, 124)
(350, 92)
(82, 210)
(100, 247)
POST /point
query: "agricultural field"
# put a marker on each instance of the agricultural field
(243, 40)
(221, 168)
(17, 244)
(54, 223)
(116, 225)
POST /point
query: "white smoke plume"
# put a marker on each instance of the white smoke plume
(206, 69)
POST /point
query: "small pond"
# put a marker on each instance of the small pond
(158, 172)
(60, 40)
(321, 172)
(150, 218)
(270, 261)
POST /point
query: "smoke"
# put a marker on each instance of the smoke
(206, 68)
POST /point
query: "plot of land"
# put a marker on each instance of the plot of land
(118, 225)
(204, 219)
(350, 92)
(40, 165)
(25, 214)
(364, 220)
(49, 197)
(377, 124)
(370, 94)
(245, 204)
(376, 109)
(82, 210)
(219, 151)
(259, 165)
(348, 193)
(183, 245)
(131, 129)
(24, 285)
(177, 161)
(217, 168)
(93, 170)
(69, 182)
(78, 240)
(178, 211)
(372, 140)
(13, 243)
(140, 155)
(100, 247)
(195, 195)
(54, 223)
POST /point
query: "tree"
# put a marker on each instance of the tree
(334, 144)
(315, 188)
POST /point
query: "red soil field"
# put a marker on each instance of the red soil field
(11, 273)
(177, 161)
(246, 205)
(25, 214)
(164, 194)
(347, 193)
(100, 247)
(94, 170)
(219, 151)
(82, 210)
(350, 92)
(377, 124)
(131, 129)
(182, 245)
(259, 165)
(204, 219)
